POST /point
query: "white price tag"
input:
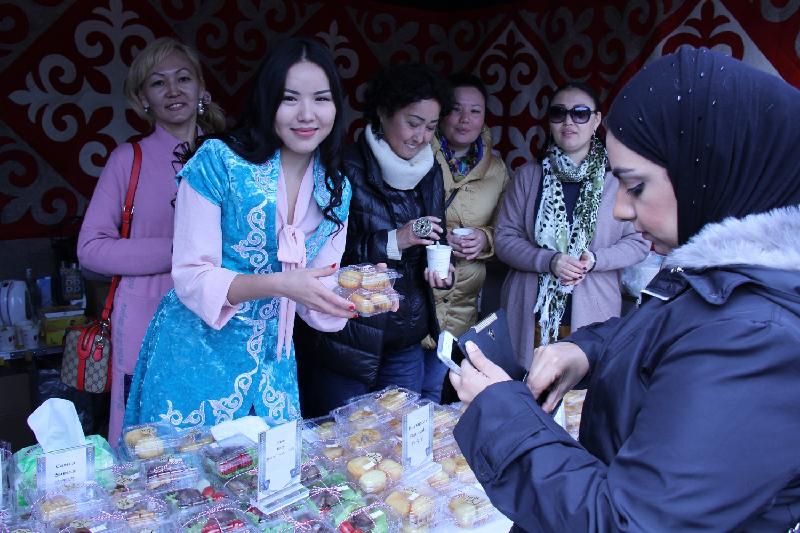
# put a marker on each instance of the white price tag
(279, 458)
(418, 436)
(70, 466)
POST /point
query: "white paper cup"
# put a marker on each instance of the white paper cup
(439, 259)
(28, 334)
(7, 339)
(462, 232)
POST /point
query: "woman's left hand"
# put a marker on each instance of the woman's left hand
(477, 373)
(438, 283)
(468, 246)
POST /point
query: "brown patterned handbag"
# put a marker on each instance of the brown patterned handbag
(86, 364)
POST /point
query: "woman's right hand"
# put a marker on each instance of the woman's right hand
(407, 239)
(304, 287)
(556, 368)
(568, 269)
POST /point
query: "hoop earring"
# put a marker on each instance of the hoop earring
(201, 107)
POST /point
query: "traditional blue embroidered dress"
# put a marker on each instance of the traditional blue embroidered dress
(190, 374)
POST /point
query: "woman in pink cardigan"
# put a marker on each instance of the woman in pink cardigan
(556, 231)
(164, 86)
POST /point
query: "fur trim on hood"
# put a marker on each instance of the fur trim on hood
(770, 239)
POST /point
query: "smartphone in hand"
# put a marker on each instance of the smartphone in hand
(444, 351)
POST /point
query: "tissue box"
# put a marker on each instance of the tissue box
(24, 464)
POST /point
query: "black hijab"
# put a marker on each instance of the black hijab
(728, 134)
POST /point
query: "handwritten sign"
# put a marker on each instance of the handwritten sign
(278, 459)
(418, 436)
(64, 467)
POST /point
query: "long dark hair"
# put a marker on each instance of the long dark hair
(253, 136)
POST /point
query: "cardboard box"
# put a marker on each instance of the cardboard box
(56, 320)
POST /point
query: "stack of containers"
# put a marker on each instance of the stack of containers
(371, 289)
(352, 464)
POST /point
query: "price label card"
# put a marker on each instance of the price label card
(418, 436)
(279, 458)
(63, 467)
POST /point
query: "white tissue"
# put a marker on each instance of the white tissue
(56, 425)
(249, 426)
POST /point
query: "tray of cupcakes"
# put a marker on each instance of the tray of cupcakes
(370, 288)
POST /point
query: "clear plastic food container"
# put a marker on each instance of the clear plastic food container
(366, 276)
(223, 518)
(418, 508)
(170, 473)
(370, 517)
(148, 441)
(58, 507)
(374, 472)
(229, 457)
(191, 440)
(140, 508)
(470, 508)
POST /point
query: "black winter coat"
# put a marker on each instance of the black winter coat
(376, 209)
(692, 417)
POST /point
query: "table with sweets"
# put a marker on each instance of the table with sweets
(166, 481)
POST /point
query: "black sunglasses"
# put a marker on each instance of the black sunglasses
(580, 113)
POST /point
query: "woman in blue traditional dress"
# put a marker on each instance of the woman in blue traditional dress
(260, 225)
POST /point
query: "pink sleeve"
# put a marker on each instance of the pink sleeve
(200, 282)
(330, 253)
(100, 248)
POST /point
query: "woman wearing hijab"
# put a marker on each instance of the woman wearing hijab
(692, 416)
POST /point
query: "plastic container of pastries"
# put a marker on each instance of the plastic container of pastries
(222, 518)
(58, 507)
(363, 440)
(139, 508)
(295, 519)
(469, 508)
(242, 486)
(122, 478)
(187, 499)
(332, 491)
(373, 472)
(98, 521)
(370, 303)
(366, 276)
(331, 454)
(396, 400)
(417, 507)
(229, 457)
(454, 464)
(359, 414)
(321, 429)
(170, 473)
(312, 470)
(148, 441)
(20, 525)
(371, 516)
(191, 440)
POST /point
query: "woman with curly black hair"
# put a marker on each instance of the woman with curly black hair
(260, 225)
(397, 209)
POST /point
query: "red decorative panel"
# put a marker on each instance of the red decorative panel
(63, 64)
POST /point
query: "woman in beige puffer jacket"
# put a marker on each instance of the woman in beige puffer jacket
(474, 182)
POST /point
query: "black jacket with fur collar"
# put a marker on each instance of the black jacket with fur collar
(692, 418)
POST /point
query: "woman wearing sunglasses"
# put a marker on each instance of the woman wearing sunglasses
(557, 233)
